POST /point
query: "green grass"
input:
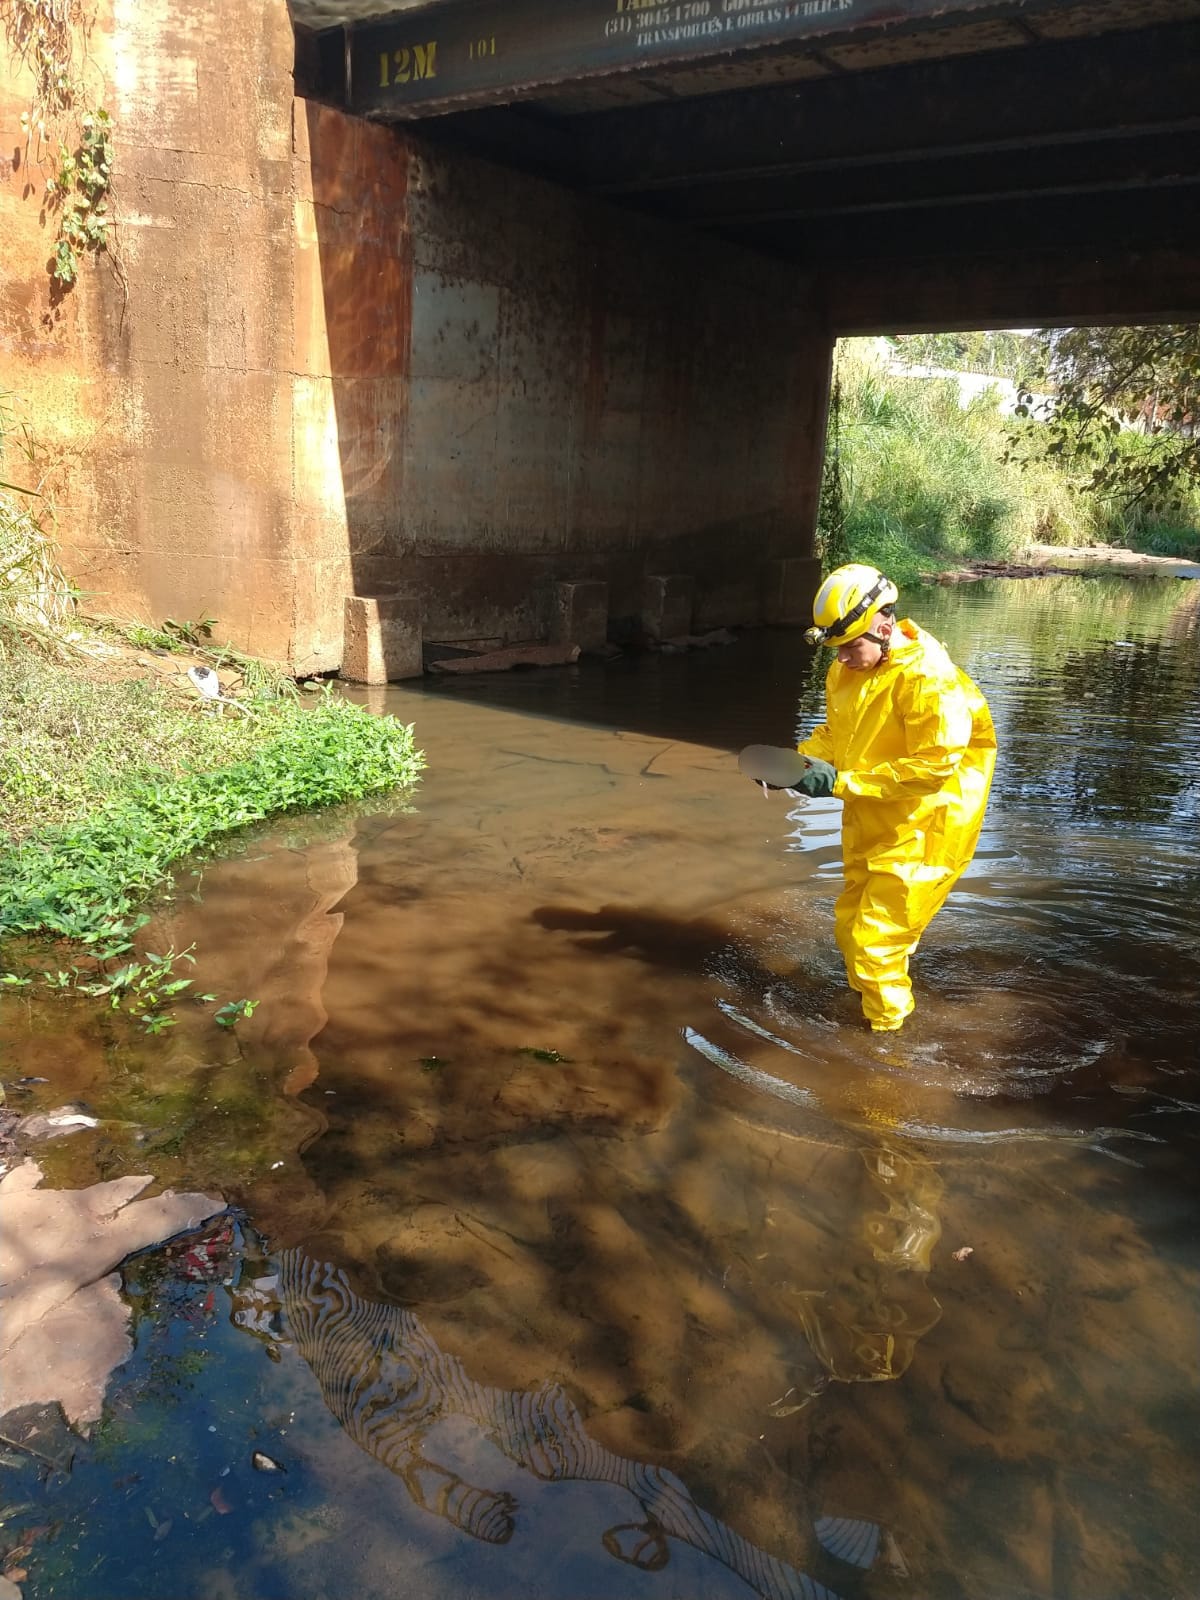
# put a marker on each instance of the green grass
(68, 733)
(1160, 538)
(76, 878)
(1149, 529)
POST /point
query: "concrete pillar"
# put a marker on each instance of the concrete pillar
(382, 638)
(579, 614)
(667, 605)
(788, 588)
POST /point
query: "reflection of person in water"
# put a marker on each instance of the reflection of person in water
(863, 1326)
(388, 1383)
(864, 1320)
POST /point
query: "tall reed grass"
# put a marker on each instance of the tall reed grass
(36, 601)
(927, 484)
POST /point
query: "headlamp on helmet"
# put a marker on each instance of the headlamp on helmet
(847, 604)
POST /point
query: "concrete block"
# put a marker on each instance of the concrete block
(667, 605)
(382, 638)
(579, 614)
(789, 584)
(517, 655)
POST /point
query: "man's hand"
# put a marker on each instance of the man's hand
(817, 780)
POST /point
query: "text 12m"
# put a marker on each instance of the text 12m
(408, 64)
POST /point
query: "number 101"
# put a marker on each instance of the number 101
(479, 48)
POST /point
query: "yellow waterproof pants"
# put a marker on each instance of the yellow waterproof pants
(878, 920)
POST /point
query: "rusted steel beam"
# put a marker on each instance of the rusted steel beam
(488, 51)
(1053, 93)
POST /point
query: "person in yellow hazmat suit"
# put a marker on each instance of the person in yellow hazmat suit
(909, 748)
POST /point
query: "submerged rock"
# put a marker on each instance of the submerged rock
(63, 1324)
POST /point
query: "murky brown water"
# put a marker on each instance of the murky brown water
(597, 1249)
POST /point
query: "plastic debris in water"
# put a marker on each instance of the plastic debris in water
(264, 1463)
(963, 1252)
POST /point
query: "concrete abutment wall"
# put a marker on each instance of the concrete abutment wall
(336, 361)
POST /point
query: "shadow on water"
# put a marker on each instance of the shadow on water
(585, 1242)
(722, 696)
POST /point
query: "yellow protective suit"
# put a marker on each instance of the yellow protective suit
(914, 747)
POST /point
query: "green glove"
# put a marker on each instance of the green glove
(817, 780)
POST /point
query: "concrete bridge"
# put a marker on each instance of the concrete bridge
(475, 302)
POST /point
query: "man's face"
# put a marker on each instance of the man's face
(861, 654)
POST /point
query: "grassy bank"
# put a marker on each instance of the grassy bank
(113, 784)
(927, 485)
(114, 769)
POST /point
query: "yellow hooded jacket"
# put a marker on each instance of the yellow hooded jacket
(914, 747)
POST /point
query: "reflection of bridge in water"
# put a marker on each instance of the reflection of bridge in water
(388, 1382)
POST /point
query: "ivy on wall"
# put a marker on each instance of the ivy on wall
(832, 548)
(70, 135)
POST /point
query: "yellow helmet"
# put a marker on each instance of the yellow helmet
(847, 604)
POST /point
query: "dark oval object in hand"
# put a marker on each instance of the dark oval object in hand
(775, 765)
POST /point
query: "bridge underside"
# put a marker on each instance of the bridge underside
(931, 164)
(621, 376)
(392, 358)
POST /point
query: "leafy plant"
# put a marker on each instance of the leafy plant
(193, 631)
(1113, 382)
(43, 35)
(232, 1013)
(78, 192)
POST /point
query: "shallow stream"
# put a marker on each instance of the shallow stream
(584, 1243)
